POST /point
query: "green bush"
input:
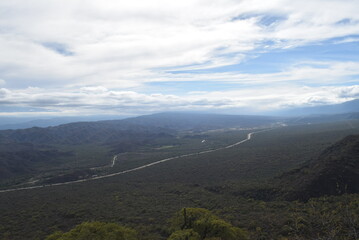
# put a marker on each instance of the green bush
(189, 221)
(96, 231)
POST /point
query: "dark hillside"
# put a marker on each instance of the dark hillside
(334, 172)
(21, 158)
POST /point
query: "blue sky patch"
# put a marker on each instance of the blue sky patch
(58, 48)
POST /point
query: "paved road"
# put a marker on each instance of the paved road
(249, 136)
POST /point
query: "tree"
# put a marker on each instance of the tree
(201, 224)
(187, 234)
(96, 231)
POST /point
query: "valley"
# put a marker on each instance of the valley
(234, 173)
(96, 177)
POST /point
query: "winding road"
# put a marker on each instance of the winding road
(249, 137)
(114, 161)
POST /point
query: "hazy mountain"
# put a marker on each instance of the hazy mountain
(22, 123)
(127, 129)
(201, 121)
(101, 132)
(346, 107)
(323, 118)
(334, 172)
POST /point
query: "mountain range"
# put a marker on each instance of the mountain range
(334, 109)
(117, 130)
(346, 107)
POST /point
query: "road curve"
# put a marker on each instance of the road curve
(113, 161)
(249, 137)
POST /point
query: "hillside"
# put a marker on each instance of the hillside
(22, 158)
(334, 172)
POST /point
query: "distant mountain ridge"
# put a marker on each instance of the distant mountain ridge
(200, 121)
(169, 118)
(346, 107)
(22, 123)
(81, 133)
(139, 127)
(322, 118)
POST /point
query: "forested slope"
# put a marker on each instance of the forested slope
(334, 172)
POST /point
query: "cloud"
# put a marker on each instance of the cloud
(125, 46)
(347, 40)
(300, 73)
(96, 100)
(97, 41)
(348, 92)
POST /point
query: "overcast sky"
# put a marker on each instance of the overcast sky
(133, 57)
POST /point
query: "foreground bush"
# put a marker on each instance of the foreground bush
(96, 231)
(201, 224)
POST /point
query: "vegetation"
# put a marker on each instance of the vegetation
(201, 224)
(55, 154)
(334, 172)
(188, 224)
(236, 184)
(96, 231)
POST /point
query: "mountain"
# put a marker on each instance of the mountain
(30, 152)
(22, 123)
(346, 107)
(201, 121)
(81, 133)
(323, 118)
(150, 126)
(334, 172)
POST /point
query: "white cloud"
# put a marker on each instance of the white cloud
(112, 39)
(101, 100)
(348, 40)
(124, 45)
(301, 72)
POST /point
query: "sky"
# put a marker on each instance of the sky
(116, 57)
